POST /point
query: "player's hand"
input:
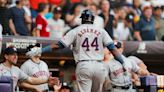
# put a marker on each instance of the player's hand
(54, 46)
(57, 87)
(53, 81)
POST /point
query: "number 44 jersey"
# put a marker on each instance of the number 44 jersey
(88, 42)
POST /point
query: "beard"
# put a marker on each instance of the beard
(13, 63)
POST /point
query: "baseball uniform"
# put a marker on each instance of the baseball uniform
(88, 44)
(119, 81)
(135, 59)
(15, 72)
(39, 70)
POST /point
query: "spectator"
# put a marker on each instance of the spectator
(56, 24)
(87, 3)
(121, 32)
(158, 21)
(4, 17)
(73, 18)
(99, 22)
(136, 7)
(145, 28)
(19, 19)
(35, 67)
(27, 10)
(41, 22)
(108, 18)
(8, 68)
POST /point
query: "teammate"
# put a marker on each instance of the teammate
(88, 43)
(8, 68)
(119, 81)
(35, 67)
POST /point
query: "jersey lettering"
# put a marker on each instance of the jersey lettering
(93, 44)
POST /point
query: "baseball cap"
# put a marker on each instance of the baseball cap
(31, 46)
(145, 5)
(10, 50)
(156, 5)
(57, 10)
(129, 17)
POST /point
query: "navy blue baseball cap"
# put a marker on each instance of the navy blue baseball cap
(10, 50)
(57, 10)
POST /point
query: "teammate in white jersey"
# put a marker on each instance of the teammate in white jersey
(35, 67)
(88, 43)
(119, 81)
(8, 68)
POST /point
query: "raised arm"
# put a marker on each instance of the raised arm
(118, 56)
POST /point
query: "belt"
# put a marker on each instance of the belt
(88, 61)
(122, 87)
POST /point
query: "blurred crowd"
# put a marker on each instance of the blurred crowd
(124, 20)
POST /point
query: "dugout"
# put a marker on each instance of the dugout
(151, 52)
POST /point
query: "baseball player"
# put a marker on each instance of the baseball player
(88, 43)
(119, 81)
(36, 67)
(8, 68)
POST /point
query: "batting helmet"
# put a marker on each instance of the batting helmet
(87, 17)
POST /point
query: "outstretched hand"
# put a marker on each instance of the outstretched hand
(53, 81)
(57, 87)
(54, 45)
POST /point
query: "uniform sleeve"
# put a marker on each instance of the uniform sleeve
(39, 22)
(106, 38)
(69, 38)
(22, 76)
(24, 68)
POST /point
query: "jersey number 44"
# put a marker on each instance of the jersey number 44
(93, 44)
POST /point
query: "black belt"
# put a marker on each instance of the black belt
(122, 87)
(88, 61)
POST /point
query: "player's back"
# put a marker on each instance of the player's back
(89, 42)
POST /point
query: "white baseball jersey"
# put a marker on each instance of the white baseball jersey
(116, 74)
(15, 72)
(39, 70)
(88, 42)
